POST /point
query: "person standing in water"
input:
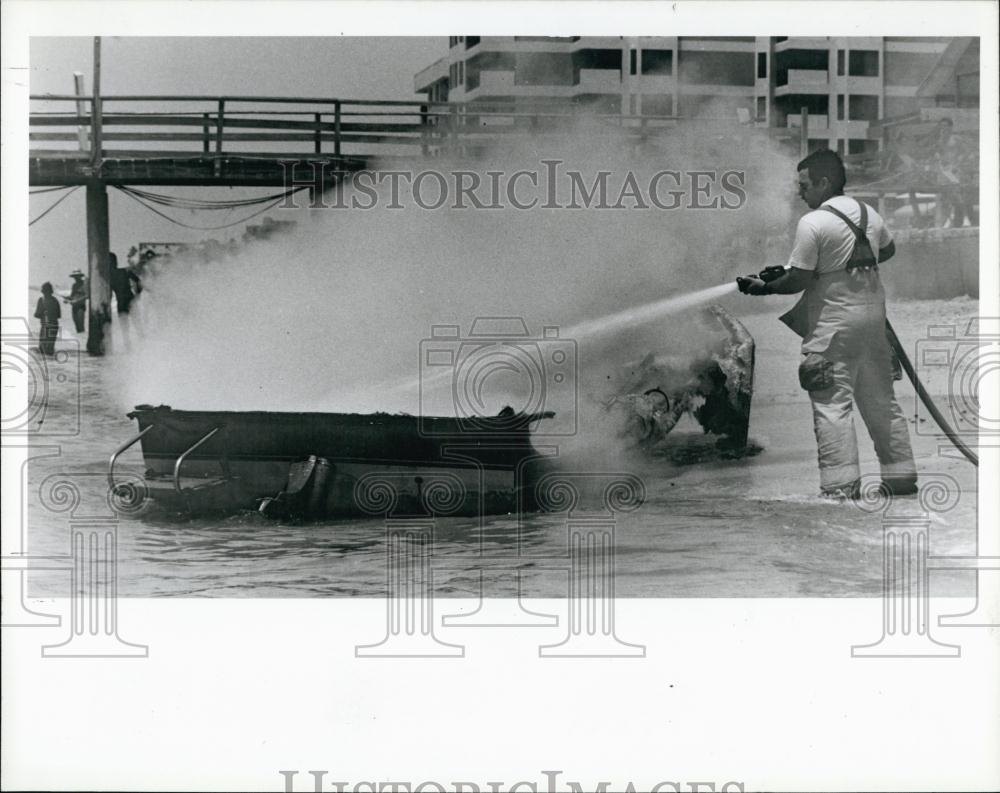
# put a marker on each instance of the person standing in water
(48, 313)
(78, 300)
(846, 363)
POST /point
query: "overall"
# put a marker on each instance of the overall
(847, 362)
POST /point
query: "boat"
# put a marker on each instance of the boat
(346, 464)
(332, 464)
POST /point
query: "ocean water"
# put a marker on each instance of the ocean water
(719, 528)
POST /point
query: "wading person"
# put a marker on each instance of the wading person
(122, 280)
(846, 359)
(126, 287)
(78, 300)
(48, 312)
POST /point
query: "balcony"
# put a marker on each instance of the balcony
(492, 83)
(501, 83)
(539, 44)
(803, 43)
(438, 70)
(818, 122)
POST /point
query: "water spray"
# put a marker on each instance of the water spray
(627, 318)
(639, 315)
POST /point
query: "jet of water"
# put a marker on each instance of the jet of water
(647, 312)
(628, 318)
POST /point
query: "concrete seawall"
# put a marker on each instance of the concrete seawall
(933, 263)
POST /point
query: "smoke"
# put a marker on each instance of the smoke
(331, 317)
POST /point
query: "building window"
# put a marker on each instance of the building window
(840, 63)
(715, 68)
(545, 68)
(472, 41)
(840, 107)
(633, 57)
(863, 63)
(840, 146)
(808, 60)
(452, 41)
(762, 108)
(657, 61)
(461, 72)
(862, 107)
(761, 64)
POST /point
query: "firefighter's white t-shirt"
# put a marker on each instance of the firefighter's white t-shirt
(823, 242)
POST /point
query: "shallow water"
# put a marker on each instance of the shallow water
(730, 528)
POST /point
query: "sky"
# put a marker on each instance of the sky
(343, 67)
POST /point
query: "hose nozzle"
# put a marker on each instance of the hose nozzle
(766, 275)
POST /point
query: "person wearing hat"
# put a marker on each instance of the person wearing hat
(48, 312)
(78, 300)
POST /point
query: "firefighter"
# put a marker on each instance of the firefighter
(846, 358)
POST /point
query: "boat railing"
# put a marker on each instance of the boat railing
(186, 454)
(118, 452)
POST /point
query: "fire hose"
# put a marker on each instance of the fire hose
(911, 373)
(776, 271)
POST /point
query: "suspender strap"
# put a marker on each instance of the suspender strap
(859, 232)
(862, 254)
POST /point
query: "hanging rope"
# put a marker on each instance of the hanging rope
(182, 202)
(131, 194)
(49, 189)
(57, 203)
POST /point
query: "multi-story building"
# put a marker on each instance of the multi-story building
(844, 83)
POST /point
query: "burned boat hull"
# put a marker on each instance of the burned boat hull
(331, 464)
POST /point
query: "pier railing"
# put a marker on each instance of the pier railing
(215, 126)
(193, 139)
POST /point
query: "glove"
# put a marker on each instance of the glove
(752, 285)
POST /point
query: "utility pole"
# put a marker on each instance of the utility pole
(81, 129)
(98, 233)
(804, 139)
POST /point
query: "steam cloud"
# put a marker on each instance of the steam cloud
(330, 317)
